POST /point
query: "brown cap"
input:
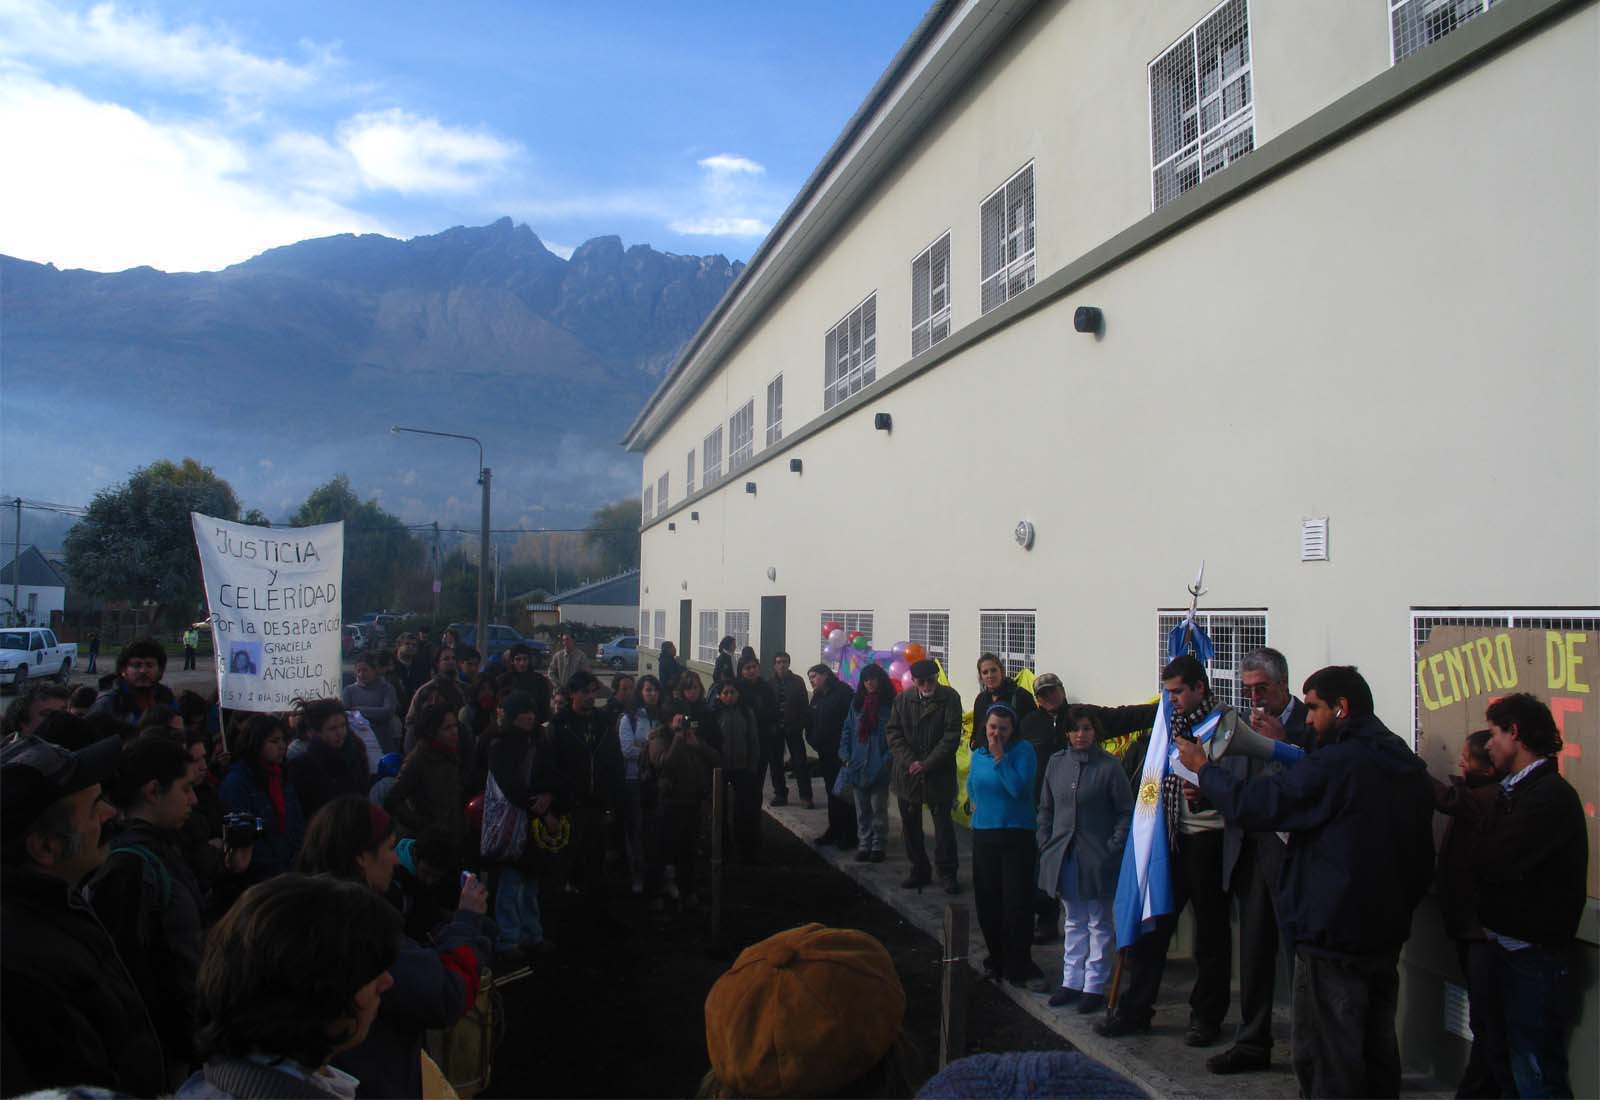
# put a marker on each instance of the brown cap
(1045, 682)
(803, 1013)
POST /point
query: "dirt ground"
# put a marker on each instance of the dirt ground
(622, 1014)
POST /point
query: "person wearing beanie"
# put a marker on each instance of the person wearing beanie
(811, 1012)
(1024, 1074)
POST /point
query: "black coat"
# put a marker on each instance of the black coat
(1012, 696)
(321, 774)
(763, 703)
(589, 755)
(794, 709)
(1360, 814)
(829, 709)
(1533, 859)
(1269, 849)
(671, 668)
(70, 1012)
(1047, 733)
(722, 669)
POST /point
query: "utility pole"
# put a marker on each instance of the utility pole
(16, 570)
(483, 569)
(437, 579)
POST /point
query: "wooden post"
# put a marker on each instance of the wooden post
(718, 808)
(953, 995)
(1116, 980)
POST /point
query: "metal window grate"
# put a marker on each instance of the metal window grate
(1415, 24)
(931, 630)
(688, 480)
(661, 495)
(644, 627)
(1006, 258)
(1233, 632)
(1202, 103)
(741, 436)
(849, 620)
(1011, 636)
(850, 352)
(709, 637)
(930, 296)
(660, 633)
(774, 410)
(712, 458)
(647, 504)
(737, 623)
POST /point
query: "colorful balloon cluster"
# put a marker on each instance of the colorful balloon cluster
(848, 652)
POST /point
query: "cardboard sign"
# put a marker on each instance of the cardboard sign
(274, 596)
(1462, 669)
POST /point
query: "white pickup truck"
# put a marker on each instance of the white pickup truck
(32, 653)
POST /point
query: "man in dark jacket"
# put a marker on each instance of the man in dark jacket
(757, 694)
(327, 769)
(1045, 727)
(830, 706)
(70, 1013)
(140, 666)
(523, 676)
(1360, 857)
(528, 781)
(794, 714)
(587, 752)
(924, 732)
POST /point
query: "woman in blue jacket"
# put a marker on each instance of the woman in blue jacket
(1000, 791)
(256, 785)
(864, 760)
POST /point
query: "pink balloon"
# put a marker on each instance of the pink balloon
(899, 649)
(898, 669)
(907, 682)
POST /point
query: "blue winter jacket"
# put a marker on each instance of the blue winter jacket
(865, 767)
(245, 790)
(1001, 791)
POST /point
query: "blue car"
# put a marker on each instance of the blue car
(620, 653)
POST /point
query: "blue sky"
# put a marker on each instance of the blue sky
(189, 136)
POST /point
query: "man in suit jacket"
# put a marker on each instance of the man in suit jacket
(1251, 863)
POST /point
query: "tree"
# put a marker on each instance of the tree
(379, 551)
(613, 534)
(137, 542)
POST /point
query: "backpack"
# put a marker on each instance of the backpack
(152, 863)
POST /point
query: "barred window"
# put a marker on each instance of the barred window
(850, 353)
(930, 296)
(931, 630)
(738, 624)
(1234, 632)
(849, 620)
(1009, 635)
(709, 637)
(1414, 24)
(1006, 263)
(1202, 105)
(647, 505)
(712, 453)
(660, 634)
(774, 410)
(644, 627)
(661, 495)
(741, 436)
(688, 480)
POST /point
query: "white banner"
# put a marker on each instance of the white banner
(274, 596)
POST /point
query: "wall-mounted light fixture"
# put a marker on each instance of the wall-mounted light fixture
(1023, 534)
(883, 422)
(672, 527)
(794, 465)
(1089, 319)
(695, 516)
(684, 585)
(750, 487)
(772, 572)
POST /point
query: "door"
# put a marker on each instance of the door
(685, 625)
(774, 629)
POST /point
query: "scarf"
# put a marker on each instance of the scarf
(869, 717)
(1171, 785)
(274, 774)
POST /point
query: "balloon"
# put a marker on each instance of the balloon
(829, 627)
(836, 637)
(831, 651)
(907, 682)
(862, 643)
(882, 657)
(899, 670)
(899, 649)
(914, 653)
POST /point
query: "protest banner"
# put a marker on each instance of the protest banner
(1462, 669)
(274, 600)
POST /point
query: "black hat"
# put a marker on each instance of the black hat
(925, 669)
(35, 774)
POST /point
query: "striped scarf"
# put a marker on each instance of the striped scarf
(1171, 785)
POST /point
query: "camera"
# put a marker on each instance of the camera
(240, 830)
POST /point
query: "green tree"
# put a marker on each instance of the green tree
(137, 542)
(379, 552)
(613, 535)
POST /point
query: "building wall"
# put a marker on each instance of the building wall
(43, 600)
(1399, 334)
(602, 614)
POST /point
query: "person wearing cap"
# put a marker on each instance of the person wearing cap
(70, 1013)
(924, 733)
(1046, 729)
(140, 666)
(811, 1012)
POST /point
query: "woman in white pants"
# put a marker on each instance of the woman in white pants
(1085, 809)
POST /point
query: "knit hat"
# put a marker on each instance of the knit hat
(803, 1013)
(1061, 1075)
(389, 765)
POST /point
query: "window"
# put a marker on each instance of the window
(661, 496)
(1414, 24)
(849, 620)
(738, 624)
(930, 296)
(931, 630)
(1006, 265)
(647, 505)
(1202, 111)
(660, 631)
(709, 637)
(1233, 632)
(741, 436)
(774, 410)
(644, 627)
(1009, 635)
(688, 479)
(850, 353)
(712, 464)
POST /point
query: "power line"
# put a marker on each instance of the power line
(81, 512)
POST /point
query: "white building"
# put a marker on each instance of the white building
(1345, 258)
(37, 587)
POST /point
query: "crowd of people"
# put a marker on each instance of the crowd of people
(159, 852)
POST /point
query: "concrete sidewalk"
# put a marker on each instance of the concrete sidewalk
(1159, 1062)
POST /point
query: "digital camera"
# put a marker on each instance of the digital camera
(240, 830)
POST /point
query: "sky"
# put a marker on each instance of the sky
(190, 136)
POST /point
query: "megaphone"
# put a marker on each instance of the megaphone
(1240, 739)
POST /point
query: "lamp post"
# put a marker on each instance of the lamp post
(483, 544)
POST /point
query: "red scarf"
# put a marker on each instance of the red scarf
(274, 774)
(869, 717)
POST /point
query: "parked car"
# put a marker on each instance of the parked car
(33, 653)
(620, 652)
(354, 639)
(502, 638)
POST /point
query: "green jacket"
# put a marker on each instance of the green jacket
(926, 730)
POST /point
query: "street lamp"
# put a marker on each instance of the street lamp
(483, 545)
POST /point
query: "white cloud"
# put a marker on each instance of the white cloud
(565, 251)
(265, 463)
(720, 227)
(731, 164)
(399, 151)
(732, 200)
(189, 57)
(107, 188)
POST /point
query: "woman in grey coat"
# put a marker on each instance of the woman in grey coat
(1085, 810)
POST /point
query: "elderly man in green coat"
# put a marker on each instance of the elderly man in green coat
(924, 731)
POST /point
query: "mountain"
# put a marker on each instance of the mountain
(290, 367)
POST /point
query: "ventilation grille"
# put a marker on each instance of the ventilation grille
(1314, 539)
